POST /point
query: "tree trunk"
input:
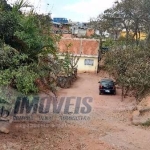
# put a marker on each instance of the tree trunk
(122, 93)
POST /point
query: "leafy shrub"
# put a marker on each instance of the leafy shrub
(130, 67)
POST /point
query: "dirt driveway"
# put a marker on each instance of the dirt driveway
(108, 128)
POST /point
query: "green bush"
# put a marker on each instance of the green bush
(130, 67)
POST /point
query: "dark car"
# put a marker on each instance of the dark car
(107, 86)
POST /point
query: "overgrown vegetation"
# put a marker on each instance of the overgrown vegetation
(128, 58)
(28, 53)
(130, 67)
(130, 16)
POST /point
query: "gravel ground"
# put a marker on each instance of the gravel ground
(108, 126)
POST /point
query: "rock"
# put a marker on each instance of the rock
(136, 121)
(4, 126)
(145, 109)
(4, 130)
(140, 121)
(139, 107)
(145, 102)
(52, 125)
(136, 113)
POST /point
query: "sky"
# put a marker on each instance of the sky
(75, 10)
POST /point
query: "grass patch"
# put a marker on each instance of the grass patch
(147, 123)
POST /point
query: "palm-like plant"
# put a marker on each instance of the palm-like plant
(19, 4)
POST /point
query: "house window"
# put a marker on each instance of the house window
(89, 62)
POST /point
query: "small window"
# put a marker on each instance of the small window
(107, 83)
(89, 62)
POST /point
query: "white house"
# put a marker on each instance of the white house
(87, 48)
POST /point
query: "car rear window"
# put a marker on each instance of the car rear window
(104, 83)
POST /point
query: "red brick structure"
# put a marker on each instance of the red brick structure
(88, 48)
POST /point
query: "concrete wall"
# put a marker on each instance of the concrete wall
(78, 45)
(81, 32)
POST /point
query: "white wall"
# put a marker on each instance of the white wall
(84, 64)
(82, 67)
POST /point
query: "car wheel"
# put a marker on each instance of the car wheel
(100, 93)
(114, 93)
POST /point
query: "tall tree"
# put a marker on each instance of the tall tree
(131, 15)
